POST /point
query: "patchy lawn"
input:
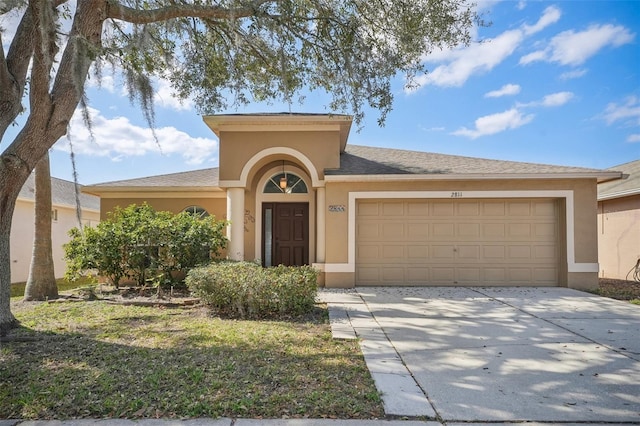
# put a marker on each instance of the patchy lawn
(94, 359)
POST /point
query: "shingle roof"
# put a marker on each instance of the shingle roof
(364, 160)
(196, 178)
(624, 187)
(62, 193)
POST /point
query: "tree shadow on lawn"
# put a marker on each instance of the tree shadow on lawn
(233, 371)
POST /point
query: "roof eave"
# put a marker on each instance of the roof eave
(619, 194)
(97, 190)
(600, 176)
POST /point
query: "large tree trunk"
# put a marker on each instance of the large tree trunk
(41, 284)
(51, 109)
(7, 204)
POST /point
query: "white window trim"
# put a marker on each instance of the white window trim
(350, 266)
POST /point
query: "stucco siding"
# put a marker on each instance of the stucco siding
(322, 148)
(214, 206)
(618, 236)
(22, 234)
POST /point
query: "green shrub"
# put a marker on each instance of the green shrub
(246, 290)
(145, 245)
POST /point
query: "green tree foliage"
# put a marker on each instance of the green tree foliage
(145, 245)
(221, 53)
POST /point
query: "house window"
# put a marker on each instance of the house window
(197, 211)
(54, 215)
(285, 183)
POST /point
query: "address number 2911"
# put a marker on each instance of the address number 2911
(456, 194)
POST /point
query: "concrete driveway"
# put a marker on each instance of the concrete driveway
(499, 354)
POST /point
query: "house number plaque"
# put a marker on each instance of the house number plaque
(339, 208)
(456, 194)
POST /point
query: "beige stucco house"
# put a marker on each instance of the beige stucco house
(63, 216)
(619, 223)
(297, 193)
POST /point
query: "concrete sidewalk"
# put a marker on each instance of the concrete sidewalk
(497, 354)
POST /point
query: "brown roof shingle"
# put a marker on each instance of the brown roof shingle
(364, 160)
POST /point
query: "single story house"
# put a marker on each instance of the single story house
(296, 193)
(619, 223)
(63, 217)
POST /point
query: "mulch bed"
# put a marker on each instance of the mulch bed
(136, 296)
(619, 289)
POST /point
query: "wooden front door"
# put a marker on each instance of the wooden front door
(285, 234)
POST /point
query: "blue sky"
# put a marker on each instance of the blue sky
(547, 82)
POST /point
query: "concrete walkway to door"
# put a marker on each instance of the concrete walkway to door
(496, 354)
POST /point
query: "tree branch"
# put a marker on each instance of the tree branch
(116, 10)
(13, 72)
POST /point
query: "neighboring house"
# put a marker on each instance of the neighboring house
(296, 193)
(63, 216)
(619, 223)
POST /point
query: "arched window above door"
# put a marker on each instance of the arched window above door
(285, 183)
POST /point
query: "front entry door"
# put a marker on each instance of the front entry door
(285, 234)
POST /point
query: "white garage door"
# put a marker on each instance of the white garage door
(457, 242)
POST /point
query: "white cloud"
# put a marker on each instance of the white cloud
(118, 137)
(569, 75)
(557, 99)
(634, 138)
(475, 59)
(506, 90)
(459, 64)
(627, 113)
(574, 48)
(551, 15)
(496, 123)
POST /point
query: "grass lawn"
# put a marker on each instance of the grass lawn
(94, 359)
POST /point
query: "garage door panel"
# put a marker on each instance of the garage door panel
(417, 274)
(419, 252)
(495, 275)
(493, 253)
(393, 274)
(393, 252)
(368, 253)
(418, 208)
(468, 231)
(493, 231)
(368, 231)
(469, 253)
(546, 252)
(442, 275)
(457, 242)
(468, 208)
(368, 209)
(442, 209)
(442, 252)
(493, 209)
(467, 275)
(417, 231)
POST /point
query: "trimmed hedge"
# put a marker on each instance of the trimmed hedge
(247, 290)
